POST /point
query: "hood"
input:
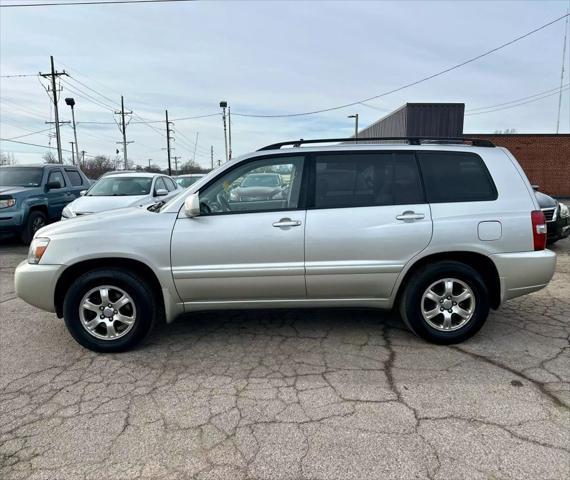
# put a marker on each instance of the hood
(7, 190)
(96, 222)
(96, 204)
(545, 201)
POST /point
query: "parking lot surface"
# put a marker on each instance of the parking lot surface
(314, 394)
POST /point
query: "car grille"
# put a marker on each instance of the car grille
(549, 214)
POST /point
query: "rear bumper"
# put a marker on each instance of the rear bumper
(35, 284)
(524, 272)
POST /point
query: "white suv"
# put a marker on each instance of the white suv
(443, 231)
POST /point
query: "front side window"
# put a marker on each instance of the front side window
(56, 176)
(456, 177)
(20, 176)
(355, 179)
(117, 186)
(169, 184)
(260, 185)
(159, 185)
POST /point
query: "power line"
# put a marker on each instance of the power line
(411, 84)
(89, 2)
(19, 76)
(517, 104)
(555, 90)
(40, 146)
(29, 134)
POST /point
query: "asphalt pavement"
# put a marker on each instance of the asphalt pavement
(312, 394)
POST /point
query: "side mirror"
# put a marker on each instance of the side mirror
(53, 185)
(82, 192)
(161, 192)
(536, 188)
(192, 205)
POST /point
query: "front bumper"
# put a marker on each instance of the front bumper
(558, 229)
(35, 284)
(11, 221)
(524, 272)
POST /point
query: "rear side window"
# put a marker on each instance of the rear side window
(74, 178)
(456, 177)
(355, 179)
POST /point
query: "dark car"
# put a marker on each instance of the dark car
(31, 196)
(556, 214)
(258, 187)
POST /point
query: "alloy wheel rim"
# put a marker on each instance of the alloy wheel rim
(107, 312)
(37, 224)
(448, 304)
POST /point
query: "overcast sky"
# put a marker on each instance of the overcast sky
(271, 58)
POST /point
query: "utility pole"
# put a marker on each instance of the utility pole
(72, 152)
(123, 130)
(168, 138)
(176, 164)
(53, 75)
(212, 156)
(562, 74)
(223, 105)
(230, 132)
(195, 147)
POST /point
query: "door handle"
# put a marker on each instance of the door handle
(410, 216)
(286, 222)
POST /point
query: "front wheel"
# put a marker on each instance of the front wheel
(446, 302)
(109, 310)
(36, 220)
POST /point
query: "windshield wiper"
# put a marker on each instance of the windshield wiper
(155, 207)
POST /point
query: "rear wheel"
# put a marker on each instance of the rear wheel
(109, 310)
(36, 220)
(445, 302)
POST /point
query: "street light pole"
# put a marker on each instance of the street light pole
(71, 103)
(223, 105)
(355, 116)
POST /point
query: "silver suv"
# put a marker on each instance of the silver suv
(442, 231)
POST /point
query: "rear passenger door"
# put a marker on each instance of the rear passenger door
(368, 217)
(76, 182)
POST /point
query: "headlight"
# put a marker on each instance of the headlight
(564, 211)
(68, 212)
(7, 203)
(37, 249)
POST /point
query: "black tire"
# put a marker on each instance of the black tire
(412, 300)
(136, 287)
(36, 220)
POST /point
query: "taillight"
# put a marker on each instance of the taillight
(538, 229)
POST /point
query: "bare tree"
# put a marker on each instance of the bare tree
(7, 159)
(97, 166)
(49, 157)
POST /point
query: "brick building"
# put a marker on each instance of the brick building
(545, 158)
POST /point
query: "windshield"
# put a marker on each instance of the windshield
(117, 186)
(185, 182)
(20, 177)
(261, 181)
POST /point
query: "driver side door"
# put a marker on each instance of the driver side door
(243, 250)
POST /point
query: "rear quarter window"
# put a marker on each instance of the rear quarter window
(456, 177)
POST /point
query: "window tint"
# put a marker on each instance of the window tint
(367, 179)
(74, 178)
(456, 177)
(169, 184)
(56, 176)
(159, 185)
(247, 188)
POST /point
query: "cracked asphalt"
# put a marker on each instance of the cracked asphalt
(312, 394)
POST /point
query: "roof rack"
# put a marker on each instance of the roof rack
(476, 142)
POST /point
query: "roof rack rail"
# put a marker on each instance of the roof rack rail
(476, 142)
